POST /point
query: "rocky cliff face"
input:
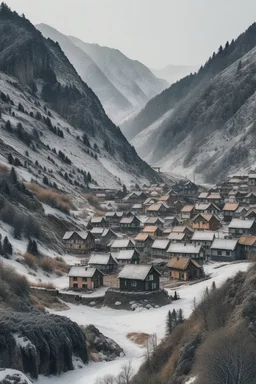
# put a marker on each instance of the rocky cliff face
(40, 343)
(42, 65)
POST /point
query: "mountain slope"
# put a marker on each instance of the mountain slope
(41, 65)
(173, 73)
(115, 104)
(133, 79)
(200, 122)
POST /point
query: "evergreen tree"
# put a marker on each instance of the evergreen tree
(174, 318)
(239, 66)
(124, 189)
(10, 158)
(8, 126)
(213, 285)
(180, 316)
(7, 247)
(45, 180)
(13, 176)
(169, 323)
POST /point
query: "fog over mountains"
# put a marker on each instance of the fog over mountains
(123, 85)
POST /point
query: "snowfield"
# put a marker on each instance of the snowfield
(117, 323)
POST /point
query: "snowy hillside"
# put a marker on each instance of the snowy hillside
(115, 104)
(46, 94)
(204, 125)
(173, 73)
(133, 79)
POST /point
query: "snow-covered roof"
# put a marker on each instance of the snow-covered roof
(125, 254)
(121, 243)
(176, 235)
(224, 244)
(231, 206)
(252, 175)
(154, 220)
(101, 259)
(202, 206)
(97, 219)
(135, 272)
(82, 234)
(128, 220)
(114, 213)
(180, 228)
(203, 195)
(150, 228)
(182, 263)
(239, 223)
(184, 248)
(137, 206)
(160, 244)
(187, 208)
(203, 236)
(67, 235)
(97, 230)
(81, 271)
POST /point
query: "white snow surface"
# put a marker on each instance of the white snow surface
(117, 323)
(7, 371)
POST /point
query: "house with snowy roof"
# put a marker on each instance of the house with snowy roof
(105, 262)
(127, 256)
(203, 238)
(85, 278)
(193, 251)
(79, 241)
(143, 242)
(229, 210)
(98, 221)
(159, 248)
(130, 224)
(252, 179)
(119, 244)
(139, 278)
(225, 250)
(248, 247)
(206, 221)
(238, 227)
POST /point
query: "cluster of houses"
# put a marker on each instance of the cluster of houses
(170, 229)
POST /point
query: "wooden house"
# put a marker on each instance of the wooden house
(225, 250)
(130, 256)
(238, 227)
(152, 230)
(251, 213)
(208, 208)
(143, 243)
(248, 247)
(193, 251)
(215, 198)
(137, 208)
(229, 210)
(202, 198)
(250, 198)
(167, 199)
(158, 209)
(154, 221)
(183, 229)
(204, 221)
(179, 237)
(186, 188)
(139, 278)
(113, 218)
(85, 278)
(203, 238)
(104, 262)
(171, 221)
(159, 248)
(119, 244)
(184, 268)
(130, 224)
(98, 221)
(187, 212)
(79, 241)
(252, 179)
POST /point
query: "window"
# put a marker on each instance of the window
(227, 253)
(151, 277)
(74, 278)
(219, 253)
(84, 279)
(134, 283)
(84, 286)
(75, 285)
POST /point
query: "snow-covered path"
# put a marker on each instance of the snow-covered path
(117, 323)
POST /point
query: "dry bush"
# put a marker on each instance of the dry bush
(18, 284)
(30, 260)
(94, 201)
(99, 213)
(139, 338)
(54, 199)
(50, 265)
(4, 168)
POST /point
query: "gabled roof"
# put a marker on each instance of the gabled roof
(121, 243)
(82, 271)
(128, 220)
(100, 259)
(184, 248)
(164, 198)
(203, 195)
(247, 240)
(242, 224)
(214, 196)
(225, 244)
(136, 272)
(231, 207)
(82, 234)
(182, 263)
(160, 244)
(137, 206)
(150, 229)
(97, 219)
(187, 208)
(142, 236)
(181, 229)
(114, 214)
(202, 206)
(156, 207)
(206, 216)
(154, 220)
(126, 254)
(176, 236)
(203, 236)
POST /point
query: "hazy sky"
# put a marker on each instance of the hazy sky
(156, 32)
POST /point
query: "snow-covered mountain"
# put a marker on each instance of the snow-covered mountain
(173, 73)
(122, 85)
(57, 124)
(204, 125)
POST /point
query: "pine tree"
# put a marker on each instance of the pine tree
(14, 177)
(213, 285)
(239, 66)
(174, 318)
(180, 316)
(10, 158)
(124, 189)
(169, 323)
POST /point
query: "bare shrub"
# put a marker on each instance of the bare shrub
(54, 199)
(42, 285)
(227, 356)
(94, 201)
(17, 283)
(4, 168)
(50, 265)
(30, 260)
